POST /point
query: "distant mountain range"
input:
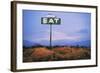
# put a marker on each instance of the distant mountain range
(86, 43)
(30, 44)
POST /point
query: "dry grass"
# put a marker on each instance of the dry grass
(55, 54)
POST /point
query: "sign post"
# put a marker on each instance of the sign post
(51, 21)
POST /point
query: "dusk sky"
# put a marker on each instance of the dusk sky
(74, 26)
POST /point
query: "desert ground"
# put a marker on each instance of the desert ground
(39, 54)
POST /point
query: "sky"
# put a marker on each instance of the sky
(74, 26)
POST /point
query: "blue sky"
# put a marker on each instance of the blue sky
(74, 26)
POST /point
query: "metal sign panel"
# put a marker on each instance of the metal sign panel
(50, 20)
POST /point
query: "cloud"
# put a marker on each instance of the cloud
(58, 35)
